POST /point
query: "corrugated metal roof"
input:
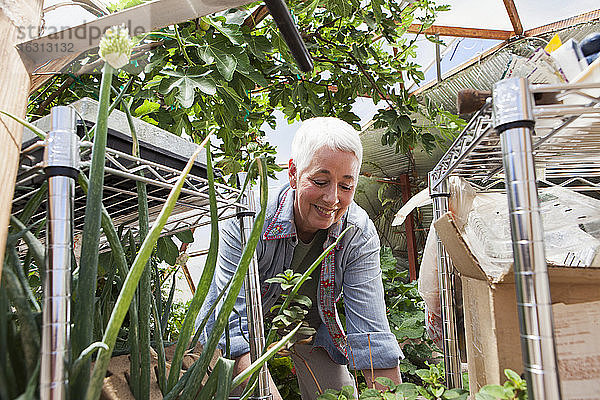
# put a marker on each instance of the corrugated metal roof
(481, 74)
(383, 161)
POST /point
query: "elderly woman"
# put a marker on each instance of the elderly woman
(302, 219)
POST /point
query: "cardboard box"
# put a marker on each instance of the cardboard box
(490, 308)
(576, 330)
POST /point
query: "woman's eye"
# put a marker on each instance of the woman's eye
(346, 187)
(319, 183)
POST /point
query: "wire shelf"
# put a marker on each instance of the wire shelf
(565, 142)
(122, 171)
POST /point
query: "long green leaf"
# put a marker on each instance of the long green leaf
(210, 387)
(187, 328)
(86, 354)
(224, 378)
(32, 384)
(5, 383)
(88, 267)
(182, 382)
(237, 281)
(29, 331)
(165, 317)
(130, 284)
(106, 296)
(144, 286)
(112, 236)
(160, 350)
(218, 384)
(34, 203)
(40, 133)
(260, 361)
(36, 247)
(30, 239)
(207, 316)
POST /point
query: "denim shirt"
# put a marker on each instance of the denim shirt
(351, 270)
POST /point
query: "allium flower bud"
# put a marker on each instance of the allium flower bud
(115, 46)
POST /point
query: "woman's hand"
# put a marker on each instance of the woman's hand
(392, 373)
(241, 363)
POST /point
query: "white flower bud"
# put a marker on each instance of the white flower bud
(116, 46)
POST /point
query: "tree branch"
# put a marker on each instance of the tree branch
(364, 72)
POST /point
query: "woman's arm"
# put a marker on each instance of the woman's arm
(367, 327)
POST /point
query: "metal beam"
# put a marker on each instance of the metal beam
(565, 23)
(461, 32)
(140, 19)
(409, 225)
(511, 9)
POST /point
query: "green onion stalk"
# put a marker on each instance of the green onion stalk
(187, 328)
(115, 50)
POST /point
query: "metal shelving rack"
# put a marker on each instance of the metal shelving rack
(58, 160)
(120, 197)
(500, 149)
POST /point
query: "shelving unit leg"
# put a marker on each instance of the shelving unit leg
(440, 195)
(513, 119)
(61, 158)
(254, 312)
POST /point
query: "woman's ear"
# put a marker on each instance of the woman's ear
(292, 173)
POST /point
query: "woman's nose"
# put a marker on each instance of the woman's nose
(330, 196)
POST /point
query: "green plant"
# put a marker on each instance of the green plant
(298, 304)
(284, 375)
(514, 388)
(230, 72)
(433, 388)
(433, 384)
(406, 315)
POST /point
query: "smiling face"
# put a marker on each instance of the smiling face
(324, 190)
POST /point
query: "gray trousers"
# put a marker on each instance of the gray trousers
(325, 371)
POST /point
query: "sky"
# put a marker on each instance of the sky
(488, 14)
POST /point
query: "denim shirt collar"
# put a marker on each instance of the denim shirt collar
(282, 223)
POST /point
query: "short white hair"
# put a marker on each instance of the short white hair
(331, 132)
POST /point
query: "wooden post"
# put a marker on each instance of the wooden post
(17, 18)
(409, 224)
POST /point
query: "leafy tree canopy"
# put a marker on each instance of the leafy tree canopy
(227, 73)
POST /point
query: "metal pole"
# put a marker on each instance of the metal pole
(440, 195)
(61, 159)
(438, 60)
(290, 34)
(513, 118)
(254, 313)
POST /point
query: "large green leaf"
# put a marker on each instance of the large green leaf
(231, 32)
(260, 46)
(166, 250)
(83, 295)
(245, 68)
(187, 82)
(146, 108)
(226, 62)
(185, 236)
